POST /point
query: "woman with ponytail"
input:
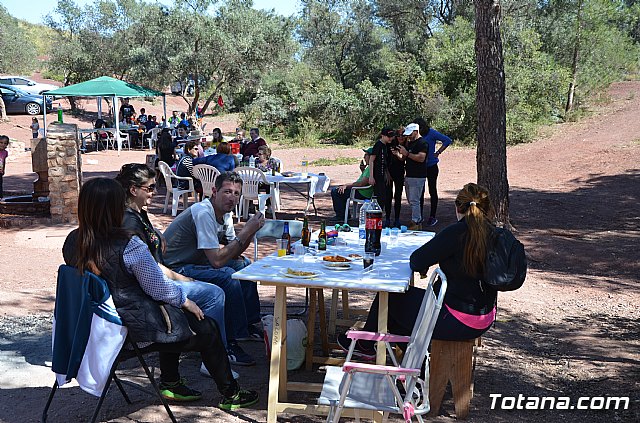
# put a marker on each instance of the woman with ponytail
(460, 250)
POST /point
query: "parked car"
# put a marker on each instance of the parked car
(19, 101)
(26, 84)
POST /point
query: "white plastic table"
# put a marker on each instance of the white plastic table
(391, 274)
(316, 183)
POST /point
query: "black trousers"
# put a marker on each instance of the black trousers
(403, 314)
(383, 192)
(432, 180)
(208, 343)
(395, 196)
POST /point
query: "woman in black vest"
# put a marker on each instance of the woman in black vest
(157, 313)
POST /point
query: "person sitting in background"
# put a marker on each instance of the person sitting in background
(166, 147)
(217, 137)
(142, 117)
(182, 131)
(239, 138)
(185, 166)
(184, 121)
(174, 120)
(223, 160)
(151, 123)
(144, 299)
(265, 162)
(460, 249)
(340, 195)
(250, 148)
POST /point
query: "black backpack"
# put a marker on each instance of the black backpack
(506, 265)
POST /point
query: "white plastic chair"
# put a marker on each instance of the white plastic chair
(176, 192)
(251, 180)
(352, 203)
(207, 175)
(123, 138)
(152, 136)
(374, 387)
(107, 141)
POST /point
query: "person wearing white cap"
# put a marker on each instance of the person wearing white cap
(414, 156)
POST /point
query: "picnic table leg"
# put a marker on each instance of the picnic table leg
(323, 323)
(278, 350)
(383, 310)
(311, 328)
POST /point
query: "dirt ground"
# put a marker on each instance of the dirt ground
(571, 331)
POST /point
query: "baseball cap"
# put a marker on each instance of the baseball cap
(388, 131)
(410, 128)
(368, 150)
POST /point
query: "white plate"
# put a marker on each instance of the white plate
(332, 255)
(336, 266)
(289, 275)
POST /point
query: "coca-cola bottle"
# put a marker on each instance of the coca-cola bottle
(373, 224)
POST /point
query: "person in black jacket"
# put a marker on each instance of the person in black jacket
(460, 249)
(157, 314)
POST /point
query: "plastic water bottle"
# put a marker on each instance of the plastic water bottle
(305, 167)
(362, 233)
(252, 161)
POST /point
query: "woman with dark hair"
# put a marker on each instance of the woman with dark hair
(166, 147)
(396, 170)
(157, 313)
(460, 250)
(217, 137)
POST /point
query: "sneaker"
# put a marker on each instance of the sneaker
(205, 372)
(360, 351)
(432, 221)
(255, 334)
(244, 398)
(415, 226)
(237, 355)
(179, 391)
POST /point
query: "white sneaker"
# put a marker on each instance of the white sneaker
(205, 372)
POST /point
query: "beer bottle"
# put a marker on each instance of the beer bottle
(306, 233)
(322, 237)
(287, 236)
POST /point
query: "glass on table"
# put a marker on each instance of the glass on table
(393, 237)
(281, 245)
(367, 261)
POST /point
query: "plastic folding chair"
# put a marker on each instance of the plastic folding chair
(352, 203)
(251, 180)
(176, 192)
(375, 387)
(84, 305)
(207, 175)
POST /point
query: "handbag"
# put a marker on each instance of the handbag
(506, 263)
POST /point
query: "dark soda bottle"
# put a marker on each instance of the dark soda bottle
(306, 233)
(287, 236)
(373, 224)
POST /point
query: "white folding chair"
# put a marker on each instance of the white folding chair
(251, 180)
(352, 203)
(176, 192)
(375, 387)
(207, 175)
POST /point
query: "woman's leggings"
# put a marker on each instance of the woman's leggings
(432, 179)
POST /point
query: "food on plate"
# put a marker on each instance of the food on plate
(293, 272)
(355, 256)
(337, 265)
(335, 259)
(287, 174)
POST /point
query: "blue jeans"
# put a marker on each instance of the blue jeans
(242, 304)
(210, 299)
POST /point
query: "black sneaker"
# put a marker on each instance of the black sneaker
(179, 391)
(243, 398)
(237, 355)
(360, 351)
(255, 334)
(432, 221)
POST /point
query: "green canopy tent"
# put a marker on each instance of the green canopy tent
(105, 86)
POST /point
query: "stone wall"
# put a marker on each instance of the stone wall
(65, 171)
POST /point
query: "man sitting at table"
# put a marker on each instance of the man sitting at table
(223, 160)
(202, 244)
(340, 195)
(250, 148)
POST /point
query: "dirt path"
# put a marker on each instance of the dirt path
(572, 330)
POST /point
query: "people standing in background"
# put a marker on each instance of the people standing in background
(414, 156)
(142, 117)
(379, 168)
(174, 120)
(4, 143)
(35, 128)
(396, 170)
(127, 111)
(184, 121)
(431, 138)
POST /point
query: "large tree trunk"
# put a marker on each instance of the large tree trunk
(491, 155)
(3, 110)
(574, 60)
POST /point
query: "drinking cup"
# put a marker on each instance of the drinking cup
(299, 250)
(367, 261)
(393, 237)
(282, 247)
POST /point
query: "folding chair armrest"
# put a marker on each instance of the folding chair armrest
(183, 178)
(379, 369)
(364, 187)
(375, 336)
